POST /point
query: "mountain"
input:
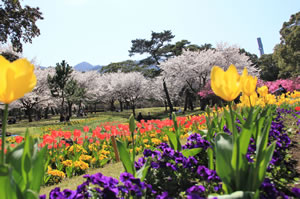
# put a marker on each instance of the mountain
(85, 66)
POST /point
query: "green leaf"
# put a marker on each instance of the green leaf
(103, 162)
(38, 168)
(224, 149)
(174, 142)
(142, 173)
(191, 152)
(7, 190)
(235, 195)
(26, 158)
(31, 194)
(210, 156)
(27, 164)
(268, 153)
(125, 158)
(131, 123)
(14, 158)
(175, 122)
(228, 120)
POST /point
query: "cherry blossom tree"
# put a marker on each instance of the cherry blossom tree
(128, 87)
(40, 97)
(191, 70)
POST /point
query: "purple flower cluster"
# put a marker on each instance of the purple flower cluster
(269, 190)
(196, 192)
(168, 167)
(196, 141)
(104, 187)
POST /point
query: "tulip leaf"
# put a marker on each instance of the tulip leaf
(26, 157)
(210, 156)
(142, 173)
(174, 141)
(125, 158)
(224, 149)
(191, 152)
(175, 123)
(6, 189)
(267, 154)
(235, 195)
(38, 168)
(131, 123)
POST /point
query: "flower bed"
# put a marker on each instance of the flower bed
(72, 153)
(172, 175)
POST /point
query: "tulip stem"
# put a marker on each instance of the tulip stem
(234, 130)
(250, 101)
(4, 122)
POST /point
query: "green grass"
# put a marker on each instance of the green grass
(113, 170)
(93, 120)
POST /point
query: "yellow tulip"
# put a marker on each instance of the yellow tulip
(17, 79)
(249, 84)
(249, 101)
(262, 91)
(226, 85)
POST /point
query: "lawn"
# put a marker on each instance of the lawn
(92, 120)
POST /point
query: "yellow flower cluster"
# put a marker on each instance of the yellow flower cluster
(56, 173)
(93, 161)
(265, 98)
(82, 165)
(228, 85)
(138, 149)
(165, 138)
(67, 163)
(78, 148)
(61, 157)
(85, 157)
(155, 141)
(152, 135)
(93, 147)
(145, 141)
(102, 157)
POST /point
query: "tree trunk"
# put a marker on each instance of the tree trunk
(29, 113)
(52, 111)
(46, 111)
(166, 105)
(168, 97)
(70, 109)
(186, 100)
(62, 107)
(79, 108)
(95, 107)
(191, 103)
(121, 105)
(38, 114)
(19, 114)
(127, 105)
(133, 108)
(112, 106)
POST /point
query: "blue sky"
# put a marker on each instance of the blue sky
(100, 31)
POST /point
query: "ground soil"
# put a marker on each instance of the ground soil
(295, 151)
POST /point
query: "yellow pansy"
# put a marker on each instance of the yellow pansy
(226, 85)
(17, 79)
